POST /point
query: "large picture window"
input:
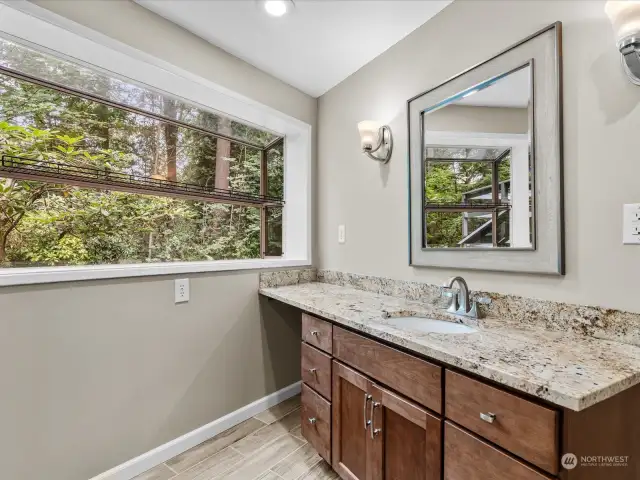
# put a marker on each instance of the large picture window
(96, 170)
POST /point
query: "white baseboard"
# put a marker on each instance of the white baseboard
(135, 466)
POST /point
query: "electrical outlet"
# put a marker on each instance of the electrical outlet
(182, 290)
(342, 234)
(631, 224)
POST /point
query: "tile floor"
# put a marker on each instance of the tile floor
(268, 446)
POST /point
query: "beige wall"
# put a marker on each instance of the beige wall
(467, 118)
(601, 145)
(96, 373)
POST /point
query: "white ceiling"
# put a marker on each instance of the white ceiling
(512, 91)
(315, 46)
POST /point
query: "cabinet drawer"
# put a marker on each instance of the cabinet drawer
(316, 370)
(406, 374)
(316, 421)
(469, 458)
(317, 332)
(522, 427)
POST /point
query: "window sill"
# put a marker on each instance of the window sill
(38, 275)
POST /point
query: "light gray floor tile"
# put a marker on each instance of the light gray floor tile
(298, 463)
(159, 472)
(258, 439)
(322, 471)
(212, 466)
(278, 411)
(196, 454)
(268, 476)
(297, 432)
(263, 459)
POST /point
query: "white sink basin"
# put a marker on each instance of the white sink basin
(429, 325)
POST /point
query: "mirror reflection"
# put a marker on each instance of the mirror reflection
(478, 166)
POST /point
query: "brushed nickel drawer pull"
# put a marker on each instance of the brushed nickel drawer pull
(367, 397)
(315, 333)
(312, 420)
(374, 431)
(488, 417)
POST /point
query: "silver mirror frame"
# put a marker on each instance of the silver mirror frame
(543, 50)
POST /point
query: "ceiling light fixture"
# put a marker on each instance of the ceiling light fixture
(277, 8)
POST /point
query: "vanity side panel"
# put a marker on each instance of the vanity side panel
(609, 428)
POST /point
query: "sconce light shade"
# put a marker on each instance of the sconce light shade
(368, 133)
(375, 137)
(625, 18)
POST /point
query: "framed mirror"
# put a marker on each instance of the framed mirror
(485, 164)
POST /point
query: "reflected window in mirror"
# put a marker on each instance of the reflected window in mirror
(478, 166)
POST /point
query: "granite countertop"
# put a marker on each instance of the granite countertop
(567, 369)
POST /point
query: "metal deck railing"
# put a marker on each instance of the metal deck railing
(103, 178)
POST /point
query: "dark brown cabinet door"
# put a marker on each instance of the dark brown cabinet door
(351, 401)
(406, 439)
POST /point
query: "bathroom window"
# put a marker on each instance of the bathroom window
(98, 170)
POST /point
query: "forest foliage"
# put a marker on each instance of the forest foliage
(447, 182)
(57, 224)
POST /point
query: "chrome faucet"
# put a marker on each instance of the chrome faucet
(460, 302)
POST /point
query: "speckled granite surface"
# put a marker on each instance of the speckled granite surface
(282, 278)
(566, 368)
(594, 322)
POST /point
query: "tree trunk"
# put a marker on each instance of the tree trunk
(3, 247)
(171, 140)
(223, 151)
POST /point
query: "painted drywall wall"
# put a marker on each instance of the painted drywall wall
(96, 373)
(601, 115)
(466, 118)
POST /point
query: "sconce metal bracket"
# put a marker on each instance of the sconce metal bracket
(630, 51)
(385, 146)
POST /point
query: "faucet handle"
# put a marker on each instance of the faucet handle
(448, 292)
(453, 295)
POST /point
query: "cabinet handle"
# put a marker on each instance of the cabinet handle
(367, 397)
(314, 333)
(312, 420)
(313, 370)
(374, 431)
(488, 417)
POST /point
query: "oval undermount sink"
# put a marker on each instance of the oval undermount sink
(429, 325)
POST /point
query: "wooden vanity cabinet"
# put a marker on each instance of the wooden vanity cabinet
(352, 447)
(375, 412)
(379, 435)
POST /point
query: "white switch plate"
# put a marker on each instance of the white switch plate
(182, 290)
(631, 224)
(342, 234)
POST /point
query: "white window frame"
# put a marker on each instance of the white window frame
(43, 29)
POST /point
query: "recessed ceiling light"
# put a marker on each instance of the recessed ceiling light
(277, 8)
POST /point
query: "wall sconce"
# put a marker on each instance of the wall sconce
(375, 137)
(625, 18)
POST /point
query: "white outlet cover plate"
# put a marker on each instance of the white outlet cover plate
(182, 290)
(342, 234)
(631, 224)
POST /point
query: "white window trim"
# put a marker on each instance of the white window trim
(30, 23)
